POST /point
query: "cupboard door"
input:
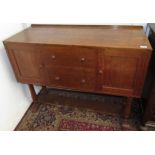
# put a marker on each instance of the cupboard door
(121, 70)
(29, 63)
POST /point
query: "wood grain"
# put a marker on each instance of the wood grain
(97, 36)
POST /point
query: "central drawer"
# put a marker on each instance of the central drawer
(84, 57)
(72, 78)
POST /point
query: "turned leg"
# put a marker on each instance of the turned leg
(35, 103)
(126, 112)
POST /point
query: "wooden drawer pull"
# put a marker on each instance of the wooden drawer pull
(83, 81)
(100, 71)
(53, 57)
(41, 66)
(82, 59)
(57, 78)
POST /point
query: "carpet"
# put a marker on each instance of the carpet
(73, 111)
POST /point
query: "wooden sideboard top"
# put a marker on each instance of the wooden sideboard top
(131, 37)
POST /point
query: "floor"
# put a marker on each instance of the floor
(60, 110)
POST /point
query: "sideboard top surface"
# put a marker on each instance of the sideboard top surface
(131, 37)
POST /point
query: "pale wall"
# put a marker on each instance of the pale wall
(14, 97)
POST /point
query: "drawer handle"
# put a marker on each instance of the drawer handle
(100, 71)
(83, 81)
(41, 66)
(57, 78)
(53, 57)
(82, 59)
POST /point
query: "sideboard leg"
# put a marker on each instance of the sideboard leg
(43, 87)
(44, 90)
(126, 112)
(35, 103)
(33, 93)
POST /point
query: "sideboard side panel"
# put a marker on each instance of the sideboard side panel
(14, 64)
(27, 63)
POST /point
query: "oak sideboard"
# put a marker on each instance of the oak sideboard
(88, 58)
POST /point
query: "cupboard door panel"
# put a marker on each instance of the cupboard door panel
(30, 64)
(119, 71)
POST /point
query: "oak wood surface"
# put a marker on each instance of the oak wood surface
(97, 36)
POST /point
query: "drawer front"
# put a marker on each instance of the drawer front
(70, 56)
(72, 78)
